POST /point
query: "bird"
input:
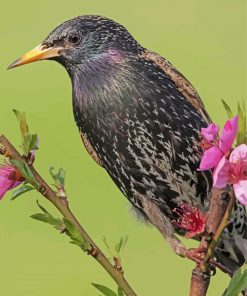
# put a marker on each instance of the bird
(140, 119)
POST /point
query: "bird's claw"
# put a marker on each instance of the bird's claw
(196, 254)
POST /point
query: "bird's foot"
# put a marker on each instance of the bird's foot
(196, 254)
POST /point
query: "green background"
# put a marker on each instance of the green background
(205, 40)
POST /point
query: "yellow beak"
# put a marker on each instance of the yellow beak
(41, 52)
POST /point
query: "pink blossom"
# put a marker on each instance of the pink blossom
(209, 133)
(221, 173)
(190, 219)
(9, 179)
(215, 151)
(233, 172)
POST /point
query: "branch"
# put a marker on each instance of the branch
(199, 282)
(222, 212)
(221, 205)
(62, 205)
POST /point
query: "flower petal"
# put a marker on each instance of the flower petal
(6, 169)
(229, 133)
(209, 133)
(8, 179)
(240, 190)
(5, 185)
(191, 234)
(211, 158)
(15, 184)
(221, 174)
(239, 153)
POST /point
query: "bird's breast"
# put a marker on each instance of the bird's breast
(146, 135)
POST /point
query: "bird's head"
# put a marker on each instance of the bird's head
(83, 39)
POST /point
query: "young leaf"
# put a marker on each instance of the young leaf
(30, 143)
(20, 190)
(17, 114)
(59, 178)
(228, 109)
(21, 117)
(105, 290)
(25, 171)
(22, 169)
(120, 292)
(109, 249)
(60, 224)
(241, 125)
(56, 222)
(121, 245)
(48, 218)
(238, 282)
(75, 236)
(42, 208)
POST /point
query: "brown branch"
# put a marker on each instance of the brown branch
(221, 205)
(225, 206)
(62, 205)
(199, 282)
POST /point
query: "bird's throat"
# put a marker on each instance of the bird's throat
(98, 87)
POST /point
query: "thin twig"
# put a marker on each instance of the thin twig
(64, 209)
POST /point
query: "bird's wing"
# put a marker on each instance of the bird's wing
(184, 86)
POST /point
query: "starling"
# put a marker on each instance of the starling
(139, 118)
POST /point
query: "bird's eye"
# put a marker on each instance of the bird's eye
(74, 38)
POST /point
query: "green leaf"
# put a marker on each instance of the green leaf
(25, 171)
(121, 245)
(120, 292)
(109, 249)
(48, 218)
(20, 190)
(105, 290)
(21, 117)
(30, 143)
(238, 282)
(56, 222)
(241, 125)
(18, 115)
(59, 177)
(72, 230)
(228, 109)
(42, 208)
(75, 236)
(60, 224)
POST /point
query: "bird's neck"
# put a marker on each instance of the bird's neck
(98, 85)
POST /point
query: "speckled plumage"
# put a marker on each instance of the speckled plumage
(140, 119)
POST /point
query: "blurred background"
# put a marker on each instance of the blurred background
(205, 40)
